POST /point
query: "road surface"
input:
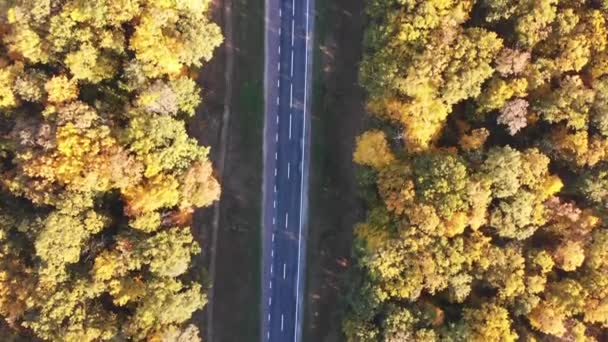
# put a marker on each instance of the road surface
(288, 66)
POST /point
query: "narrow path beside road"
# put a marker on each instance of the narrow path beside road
(225, 124)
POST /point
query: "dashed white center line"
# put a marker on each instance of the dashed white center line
(284, 268)
(270, 269)
(274, 204)
(278, 83)
(279, 66)
(276, 155)
(277, 119)
(275, 171)
(291, 63)
(277, 101)
(272, 237)
(292, 32)
(274, 219)
(286, 219)
(270, 284)
(276, 137)
(291, 95)
(282, 322)
(275, 188)
(269, 301)
(288, 168)
(289, 126)
(272, 255)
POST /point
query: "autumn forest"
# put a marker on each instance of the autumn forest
(98, 175)
(483, 169)
(485, 172)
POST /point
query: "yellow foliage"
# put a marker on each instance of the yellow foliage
(569, 255)
(126, 290)
(106, 264)
(27, 43)
(157, 50)
(547, 319)
(7, 78)
(372, 150)
(422, 119)
(155, 193)
(61, 89)
(551, 186)
(456, 224)
(499, 91)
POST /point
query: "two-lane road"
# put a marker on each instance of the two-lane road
(286, 154)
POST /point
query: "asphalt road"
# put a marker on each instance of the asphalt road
(288, 66)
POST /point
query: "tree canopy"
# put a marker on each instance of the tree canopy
(487, 211)
(95, 162)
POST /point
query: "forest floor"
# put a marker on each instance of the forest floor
(338, 115)
(237, 284)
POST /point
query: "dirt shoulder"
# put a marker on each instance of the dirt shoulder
(338, 116)
(236, 286)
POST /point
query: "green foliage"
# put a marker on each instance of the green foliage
(99, 178)
(440, 180)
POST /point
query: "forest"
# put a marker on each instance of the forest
(98, 175)
(484, 171)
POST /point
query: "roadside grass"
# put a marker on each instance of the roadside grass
(237, 285)
(337, 117)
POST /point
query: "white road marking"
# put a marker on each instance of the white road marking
(270, 284)
(284, 268)
(295, 338)
(276, 155)
(276, 137)
(268, 335)
(275, 171)
(282, 321)
(289, 126)
(280, 12)
(277, 119)
(275, 188)
(278, 83)
(278, 66)
(286, 219)
(273, 219)
(292, 63)
(272, 253)
(274, 203)
(277, 101)
(268, 317)
(272, 237)
(279, 49)
(293, 7)
(271, 269)
(288, 168)
(291, 95)
(293, 23)
(269, 301)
